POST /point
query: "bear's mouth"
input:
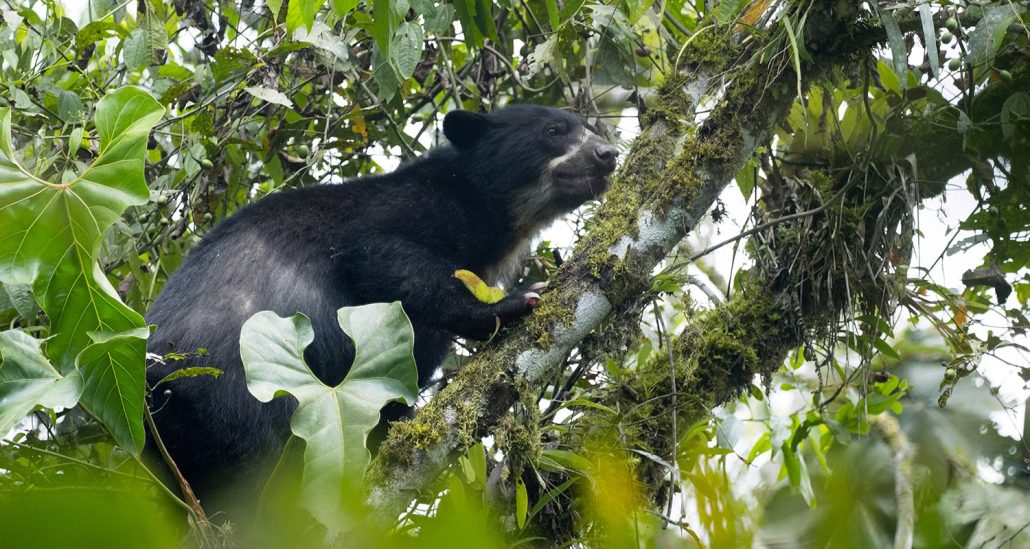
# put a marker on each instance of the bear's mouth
(590, 183)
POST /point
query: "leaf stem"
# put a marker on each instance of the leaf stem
(203, 524)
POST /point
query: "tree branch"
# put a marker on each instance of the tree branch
(890, 429)
(668, 183)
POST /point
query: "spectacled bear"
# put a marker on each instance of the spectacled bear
(474, 204)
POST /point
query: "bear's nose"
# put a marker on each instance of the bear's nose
(606, 153)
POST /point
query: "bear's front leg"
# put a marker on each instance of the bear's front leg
(425, 284)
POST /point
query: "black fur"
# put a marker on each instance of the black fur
(400, 236)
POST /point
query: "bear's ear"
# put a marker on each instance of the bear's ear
(464, 128)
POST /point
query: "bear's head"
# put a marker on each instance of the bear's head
(542, 161)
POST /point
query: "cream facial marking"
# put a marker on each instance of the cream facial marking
(574, 149)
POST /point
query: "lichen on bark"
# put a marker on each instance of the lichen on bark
(651, 206)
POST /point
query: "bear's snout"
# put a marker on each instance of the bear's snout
(605, 156)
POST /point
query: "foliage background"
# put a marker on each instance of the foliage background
(261, 97)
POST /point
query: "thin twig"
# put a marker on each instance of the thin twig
(674, 474)
(187, 493)
(773, 222)
(171, 495)
(401, 136)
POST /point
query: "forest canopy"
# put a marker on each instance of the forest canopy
(797, 317)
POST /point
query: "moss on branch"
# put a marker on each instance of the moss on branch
(670, 179)
(715, 360)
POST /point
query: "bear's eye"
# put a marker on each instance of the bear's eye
(554, 131)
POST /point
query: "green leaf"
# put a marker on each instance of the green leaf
(53, 230)
(27, 380)
(154, 26)
(333, 421)
(930, 39)
(477, 461)
(323, 37)
(886, 349)
(343, 7)
(274, 6)
(301, 13)
(986, 38)
(485, 20)
(543, 54)
(899, 54)
(590, 404)
(97, 31)
(549, 495)
(135, 50)
(795, 51)
(383, 25)
(725, 11)
(406, 49)
(746, 177)
(797, 471)
(479, 289)
(521, 502)
(567, 459)
(422, 7)
(466, 10)
(22, 101)
(963, 124)
(20, 295)
(646, 347)
(762, 445)
(439, 20)
(1015, 110)
(69, 106)
(113, 379)
(269, 95)
(552, 13)
(797, 359)
(888, 77)
(52, 234)
(74, 141)
(385, 75)
(196, 371)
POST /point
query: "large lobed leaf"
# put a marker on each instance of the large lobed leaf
(27, 380)
(333, 421)
(51, 237)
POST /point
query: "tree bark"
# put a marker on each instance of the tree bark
(669, 181)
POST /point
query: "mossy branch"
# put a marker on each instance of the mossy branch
(718, 356)
(715, 359)
(669, 181)
(889, 428)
